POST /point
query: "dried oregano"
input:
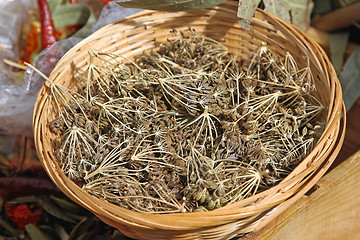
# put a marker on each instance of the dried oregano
(187, 127)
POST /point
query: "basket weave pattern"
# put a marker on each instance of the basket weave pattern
(144, 31)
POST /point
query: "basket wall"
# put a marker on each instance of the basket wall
(144, 31)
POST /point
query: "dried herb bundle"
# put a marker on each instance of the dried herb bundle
(188, 127)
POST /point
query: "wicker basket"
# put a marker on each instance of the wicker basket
(143, 31)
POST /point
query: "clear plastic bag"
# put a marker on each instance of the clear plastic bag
(18, 93)
(12, 16)
(15, 104)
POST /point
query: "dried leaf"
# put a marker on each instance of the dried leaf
(246, 11)
(35, 233)
(278, 8)
(170, 5)
(300, 11)
(297, 11)
(338, 43)
(350, 79)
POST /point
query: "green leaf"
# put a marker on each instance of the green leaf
(170, 5)
(53, 4)
(101, 237)
(84, 236)
(70, 15)
(350, 79)
(246, 11)
(82, 228)
(61, 232)
(26, 199)
(35, 233)
(49, 231)
(54, 210)
(66, 205)
(85, 30)
(5, 225)
(338, 42)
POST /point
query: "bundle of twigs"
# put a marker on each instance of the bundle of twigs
(188, 127)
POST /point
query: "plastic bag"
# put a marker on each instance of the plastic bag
(15, 104)
(112, 12)
(18, 94)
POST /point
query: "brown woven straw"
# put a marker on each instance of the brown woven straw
(145, 30)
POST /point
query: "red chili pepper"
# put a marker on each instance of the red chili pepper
(73, 1)
(48, 35)
(106, 1)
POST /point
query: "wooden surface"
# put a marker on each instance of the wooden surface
(331, 212)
